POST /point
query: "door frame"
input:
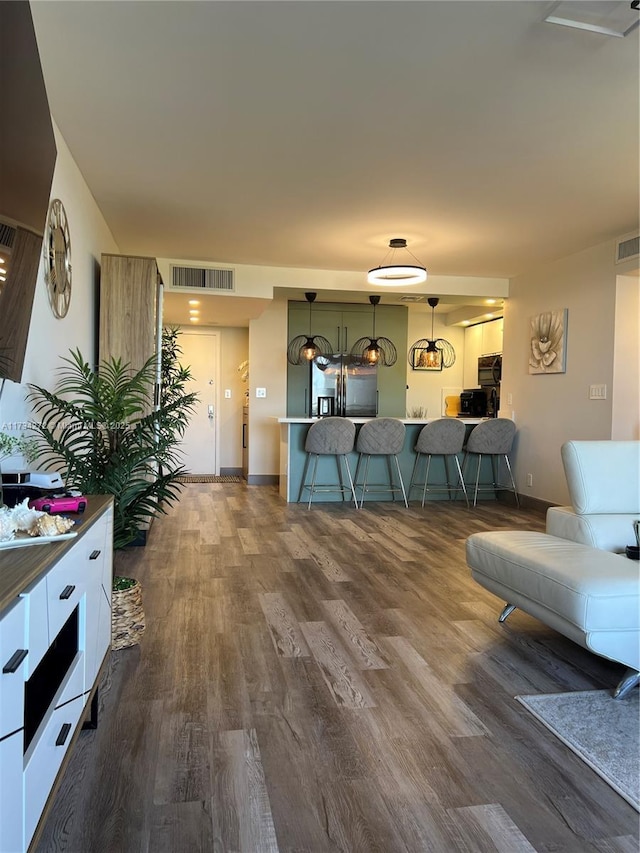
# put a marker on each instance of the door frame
(214, 333)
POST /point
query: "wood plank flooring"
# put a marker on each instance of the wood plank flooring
(330, 680)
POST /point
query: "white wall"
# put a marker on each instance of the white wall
(234, 349)
(625, 415)
(49, 337)
(268, 369)
(425, 387)
(553, 408)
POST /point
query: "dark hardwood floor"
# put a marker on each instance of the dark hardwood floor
(330, 680)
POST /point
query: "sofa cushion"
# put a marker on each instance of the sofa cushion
(603, 476)
(607, 531)
(594, 590)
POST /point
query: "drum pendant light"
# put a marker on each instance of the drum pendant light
(304, 348)
(395, 273)
(432, 353)
(374, 350)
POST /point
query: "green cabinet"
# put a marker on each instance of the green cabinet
(342, 325)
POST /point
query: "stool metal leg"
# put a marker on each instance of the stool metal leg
(513, 482)
(464, 488)
(475, 494)
(313, 478)
(412, 482)
(351, 483)
(304, 476)
(426, 478)
(404, 494)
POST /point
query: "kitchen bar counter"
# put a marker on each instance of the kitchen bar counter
(293, 432)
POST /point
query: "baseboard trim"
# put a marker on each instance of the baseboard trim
(526, 501)
(262, 479)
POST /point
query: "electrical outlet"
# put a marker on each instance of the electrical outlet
(529, 479)
(261, 392)
(227, 393)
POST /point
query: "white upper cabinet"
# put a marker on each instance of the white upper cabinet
(481, 339)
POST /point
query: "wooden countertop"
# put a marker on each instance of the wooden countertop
(19, 567)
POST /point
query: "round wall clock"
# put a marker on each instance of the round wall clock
(57, 259)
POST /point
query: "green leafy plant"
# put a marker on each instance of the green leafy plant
(11, 445)
(101, 431)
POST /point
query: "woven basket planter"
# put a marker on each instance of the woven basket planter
(127, 616)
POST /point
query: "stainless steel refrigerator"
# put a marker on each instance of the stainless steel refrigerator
(339, 387)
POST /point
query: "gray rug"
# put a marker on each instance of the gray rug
(602, 731)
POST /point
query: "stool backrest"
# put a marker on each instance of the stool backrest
(444, 436)
(493, 436)
(381, 436)
(331, 436)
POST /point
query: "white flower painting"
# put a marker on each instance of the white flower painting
(548, 353)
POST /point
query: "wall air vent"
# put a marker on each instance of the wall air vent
(412, 298)
(627, 248)
(203, 278)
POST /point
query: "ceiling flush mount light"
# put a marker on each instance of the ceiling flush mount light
(607, 18)
(432, 353)
(374, 350)
(304, 348)
(394, 273)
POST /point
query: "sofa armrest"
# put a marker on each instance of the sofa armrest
(608, 532)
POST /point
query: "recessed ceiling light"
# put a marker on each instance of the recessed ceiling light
(491, 301)
(194, 319)
(194, 311)
(194, 302)
(466, 323)
(488, 316)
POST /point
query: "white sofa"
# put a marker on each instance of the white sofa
(566, 577)
(604, 487)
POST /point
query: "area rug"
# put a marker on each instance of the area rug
(207, 478)
(603, 731)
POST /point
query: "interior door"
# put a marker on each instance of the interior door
(200, 351)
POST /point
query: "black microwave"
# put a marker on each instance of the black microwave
(490, 369)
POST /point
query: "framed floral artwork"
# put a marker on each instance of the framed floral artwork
(548, 347)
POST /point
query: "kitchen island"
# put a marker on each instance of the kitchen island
(293, 432)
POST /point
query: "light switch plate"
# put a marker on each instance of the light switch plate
(227, 393)
(261, 392)
(597, 392)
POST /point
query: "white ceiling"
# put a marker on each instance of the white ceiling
(307, 134)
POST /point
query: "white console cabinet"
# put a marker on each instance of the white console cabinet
(55, 635)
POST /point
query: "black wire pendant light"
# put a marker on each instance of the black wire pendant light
(374, 350)
(430, 353)
(304, 348)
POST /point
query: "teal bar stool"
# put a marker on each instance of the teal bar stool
(381, 437)
(493, 438)
(329, 437)
(443, 437)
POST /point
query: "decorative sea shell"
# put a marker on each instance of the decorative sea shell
(51, 525)
(24, 517)
(7, 525)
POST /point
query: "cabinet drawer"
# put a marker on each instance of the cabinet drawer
(14, 650)
(45, 761)
(11, 794)
(35, 598)
(66, 589)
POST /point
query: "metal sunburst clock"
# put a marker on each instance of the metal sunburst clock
(57, 259)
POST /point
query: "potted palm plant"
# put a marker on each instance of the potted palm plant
(101, 430)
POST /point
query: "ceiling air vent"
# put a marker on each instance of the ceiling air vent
(7, 235)
(203, 278)
(627, 248)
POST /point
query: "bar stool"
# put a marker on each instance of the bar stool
(381, 437)
(329, 437)
(492, 438)
(443, 437)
